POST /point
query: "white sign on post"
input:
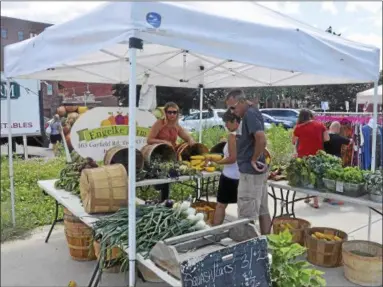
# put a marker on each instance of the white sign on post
(347, 104)
(324, 106)
(102, 128)
(25, 107)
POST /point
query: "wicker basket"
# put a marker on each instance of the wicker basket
(79, 238)
(104, 189)
(207, 208)
(111, 253)
(298, 231)
(365, 268)
(324, 253)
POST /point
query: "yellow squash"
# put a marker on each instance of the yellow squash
(210, 169)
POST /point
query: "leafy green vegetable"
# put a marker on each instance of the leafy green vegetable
(286, 270)
(353, 175)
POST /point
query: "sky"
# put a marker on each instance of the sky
(358, 21)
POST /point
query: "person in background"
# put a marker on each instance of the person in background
(309, 136)
(55, 135)
(252, 189)
(167, 131)
(228, 182)
(334, 147)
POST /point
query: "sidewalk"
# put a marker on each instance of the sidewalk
(32, 151)
(32, 262)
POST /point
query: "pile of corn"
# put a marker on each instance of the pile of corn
(203, 162)
(326, 237)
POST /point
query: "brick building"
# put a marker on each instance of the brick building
(14, 30)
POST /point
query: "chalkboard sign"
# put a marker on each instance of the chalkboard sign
(243, 265)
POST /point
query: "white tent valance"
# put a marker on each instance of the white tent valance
(237, 44)
(368, 96)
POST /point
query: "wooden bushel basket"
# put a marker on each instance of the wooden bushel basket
(324, 253)
(111, 253)
(298, 231)
(104, 189)
(184, 151)
(120, 154)
(79, 238)
(363, 262)
(207, 208)
(163, 152)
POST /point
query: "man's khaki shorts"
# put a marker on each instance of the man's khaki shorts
(252, 196)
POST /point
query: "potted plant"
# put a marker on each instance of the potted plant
(374, 185)
(298, 173)
(286, 270)
(331, 176)
(353, 181)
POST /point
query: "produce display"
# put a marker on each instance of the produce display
(326, 237)
(70, 175)
(154, 223)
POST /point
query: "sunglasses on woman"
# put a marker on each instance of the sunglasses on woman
(172, 112)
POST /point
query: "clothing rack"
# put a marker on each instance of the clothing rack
(368, 114)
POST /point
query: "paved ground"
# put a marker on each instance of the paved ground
(32, 151)
(31, 262)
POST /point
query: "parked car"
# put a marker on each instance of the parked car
(210, 118)
(290, 115)
(269, 120)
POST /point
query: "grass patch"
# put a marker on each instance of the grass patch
(32, 207)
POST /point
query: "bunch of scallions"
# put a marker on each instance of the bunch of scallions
(154, 223)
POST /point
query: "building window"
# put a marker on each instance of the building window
(20, 35)
(4, 33)
(49, 90)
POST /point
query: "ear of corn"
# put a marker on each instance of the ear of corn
(200, 157)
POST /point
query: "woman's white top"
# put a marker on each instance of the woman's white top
(230, 170)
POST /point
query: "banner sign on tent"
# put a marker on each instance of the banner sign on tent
(102, 128)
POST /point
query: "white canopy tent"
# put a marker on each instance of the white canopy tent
(368, 96)
(188, 44)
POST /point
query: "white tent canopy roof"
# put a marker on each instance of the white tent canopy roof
(368, 96)
(238, 44)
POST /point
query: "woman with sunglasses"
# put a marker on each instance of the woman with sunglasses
(167, 131)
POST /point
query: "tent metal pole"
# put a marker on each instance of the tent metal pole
(10, 153)
(200, 113)
(374, 138)
(134, 44)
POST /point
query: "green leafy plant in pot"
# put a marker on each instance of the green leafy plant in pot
(331, 176)
(375, 185)
(298, 173)
(286, 269)
(353, 180)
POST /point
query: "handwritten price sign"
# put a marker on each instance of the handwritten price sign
(244, 264)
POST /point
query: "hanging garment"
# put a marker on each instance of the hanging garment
(367, 147)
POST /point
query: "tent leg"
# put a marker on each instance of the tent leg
(10, 152)
(200, 113)
(25, 147)
(134, 44)
(374, 138)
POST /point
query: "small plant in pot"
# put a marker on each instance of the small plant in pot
(353, 181)
(374, 185)
(286, 269)
(331, 177)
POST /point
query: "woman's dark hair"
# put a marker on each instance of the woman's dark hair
(305, 116)
(229, 116)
